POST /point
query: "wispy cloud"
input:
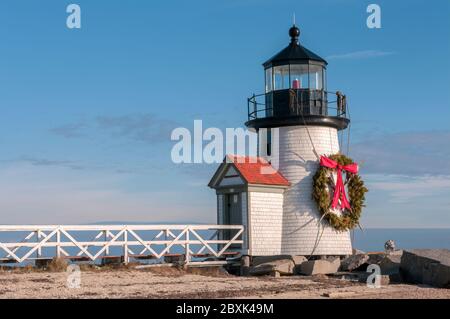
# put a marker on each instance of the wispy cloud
(56, 164)
(365, 54)
(409, 153)
(407, 201)
(406, 189)
(146, 127)
(69, 130)
(38, 161)
(140, 127)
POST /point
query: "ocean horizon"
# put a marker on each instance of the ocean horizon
(373, 239)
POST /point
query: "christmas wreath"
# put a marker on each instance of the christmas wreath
(342, 213)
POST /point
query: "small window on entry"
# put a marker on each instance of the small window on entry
(269, 142)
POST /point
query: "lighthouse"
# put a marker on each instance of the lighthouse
(297, 121)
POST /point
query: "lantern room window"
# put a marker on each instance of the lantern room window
(295, 76)
(315, 77)
(269, 77)
(299, 76)
(281, 77)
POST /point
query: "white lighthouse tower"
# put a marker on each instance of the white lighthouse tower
(296, 124)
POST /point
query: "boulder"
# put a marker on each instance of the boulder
(277, 267)
(390, 264)
(356, 251)
(316, 267)
(389, 246)
(396, 253)
(375, 258)
(298, 260)
(258, 260)
(354, 262)
(426, 266)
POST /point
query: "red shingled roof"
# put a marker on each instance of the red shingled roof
(256, 170)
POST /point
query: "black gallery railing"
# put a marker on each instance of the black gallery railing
(292, 102)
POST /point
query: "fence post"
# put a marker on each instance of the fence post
(166, 236)
(39, 250)
(106, 240)
(187, 249)
(58, 243)
(125, 247)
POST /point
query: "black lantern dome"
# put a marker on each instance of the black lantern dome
(294, 53)
(295, 91)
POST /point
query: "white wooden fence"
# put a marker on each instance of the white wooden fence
(95, 242)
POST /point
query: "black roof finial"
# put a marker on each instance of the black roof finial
(294, 33)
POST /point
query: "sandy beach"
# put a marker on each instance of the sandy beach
(174, 283)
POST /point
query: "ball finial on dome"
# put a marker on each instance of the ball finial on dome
(294, 33)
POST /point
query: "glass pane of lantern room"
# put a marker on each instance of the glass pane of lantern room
(281, 77)
(299, 76)
(269, 80)
(315, 77)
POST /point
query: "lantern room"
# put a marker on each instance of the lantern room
(295, 91)
(295, 67)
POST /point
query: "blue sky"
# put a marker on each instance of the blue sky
(87, 114)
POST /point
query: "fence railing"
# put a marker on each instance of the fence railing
(94, 242)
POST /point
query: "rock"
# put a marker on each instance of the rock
(281, 266)
(354, 262)
(361, 261)
(315, 267)
(390, 264)
(257, 260)
(357, 252)
(389, 246)
(375, 258)
(426, 266)
(298, 260)
(396, 253)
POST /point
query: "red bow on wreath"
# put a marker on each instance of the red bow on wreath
(339, 191)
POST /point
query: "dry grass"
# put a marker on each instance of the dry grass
(60, 265)
(57, 265)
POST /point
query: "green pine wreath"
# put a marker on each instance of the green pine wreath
(322, 183)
